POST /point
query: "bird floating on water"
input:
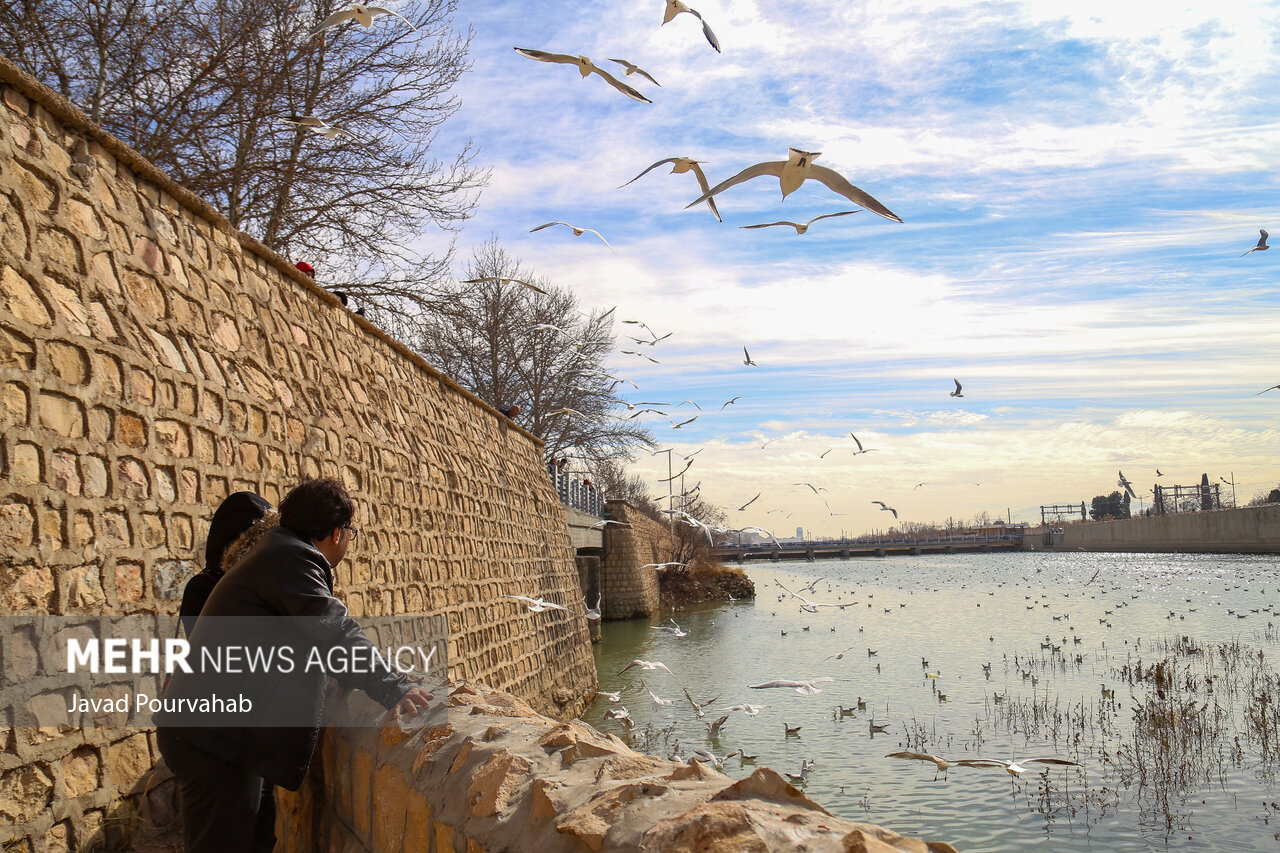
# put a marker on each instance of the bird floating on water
(794, 171)
(585, 67)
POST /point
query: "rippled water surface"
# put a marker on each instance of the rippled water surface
(1183, 757)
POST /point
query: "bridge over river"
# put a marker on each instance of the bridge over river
(877, 547)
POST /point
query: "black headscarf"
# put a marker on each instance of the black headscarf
(233, 517)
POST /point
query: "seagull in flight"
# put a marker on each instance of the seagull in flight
(801, 227)
(504, 280)
(918, 485)
(1262, 243)
(361, 14)
(749, 710)
(577, 232)
(811, 486)
(1124, 483)
(746, 358)
(319, 126)
(585, 67)
(630, 68)
(675, 7)
(680, 165)
(804, 688)
(1265, 390)
(794, 171)
(886, 508)
(736, 399)
(537, 605)
(647, 664)
(957, 392)
(1013, 768)
(941, 763)
(750, 502)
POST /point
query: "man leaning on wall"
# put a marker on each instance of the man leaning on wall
(285, 583)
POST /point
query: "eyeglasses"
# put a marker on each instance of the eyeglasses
(353, 531)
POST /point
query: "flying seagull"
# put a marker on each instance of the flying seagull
(361, 14)
(801, 228)
(1262, 243)
(1265, 390)
(675, 7)
(646, 664)
(750, 502)
(503, 280)
(746, 358)
(319, 126)
(1124, 482)
(886, 508)
(680, 165)
(537, 605)
(804, 688)
(585, 67)
(631, 68)
(794, 171)
(1013, 768)
(577, 232)
(959, 388)
(736, 399)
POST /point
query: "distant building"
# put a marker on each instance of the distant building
(800, 533)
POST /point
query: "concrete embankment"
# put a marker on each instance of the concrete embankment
(1248, 530)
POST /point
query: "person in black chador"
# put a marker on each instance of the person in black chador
(221, 759)
(232, 518)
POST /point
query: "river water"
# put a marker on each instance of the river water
(1182, 755)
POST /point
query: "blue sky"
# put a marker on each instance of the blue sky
(1077, 183)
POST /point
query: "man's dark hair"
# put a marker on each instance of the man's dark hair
(315, 507)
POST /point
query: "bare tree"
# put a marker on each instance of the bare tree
(201, 89)
(511, 345)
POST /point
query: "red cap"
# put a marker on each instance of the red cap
(306, 268)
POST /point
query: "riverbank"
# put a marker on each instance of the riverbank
(681, 588)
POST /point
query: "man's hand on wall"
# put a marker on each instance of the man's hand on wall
(412, 703)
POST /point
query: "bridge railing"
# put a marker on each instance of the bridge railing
(579, 494)
(878, 541)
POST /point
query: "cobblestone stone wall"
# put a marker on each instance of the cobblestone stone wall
(628, 590)
(152, 360)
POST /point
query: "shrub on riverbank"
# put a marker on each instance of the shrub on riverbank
(678, 588)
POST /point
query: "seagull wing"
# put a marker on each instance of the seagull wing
(548, 225)
(1058, 761)
(981, 762)
(501, 280)
(836, 182)
(378, 10)
(794, 225)
(913, 756)
(773, 167)
(619, 85)
(651, 168)
(333, 21)
(601, 236)
(705, 187)
(544, 56)
(829, 215)
(855, 441)
(779, 683)
(711, 37)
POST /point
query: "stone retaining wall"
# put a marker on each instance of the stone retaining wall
(630, 591)
(498, 777)
(152, 360)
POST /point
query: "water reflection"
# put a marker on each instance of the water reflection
(1153, 671)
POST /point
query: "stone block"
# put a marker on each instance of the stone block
(94, 469)
(131, 478)
(150, 254)
(25, 792)
(173, 439)
(59, 839)
(390, 804)
(80, 771)
(114, 530)
(60, 250)
(128, 583)
(82, 588)
(64, 472)
(20, 299)
(68, 306)
(17, 523)
(24, 464)
(151, 532)
(16, 350)
(142, 387)
(62, 414)
(128, 760)
(69, 362)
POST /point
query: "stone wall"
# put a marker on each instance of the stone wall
(152, 360)
(498, 777)
(628, 590)
(1248, 530)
